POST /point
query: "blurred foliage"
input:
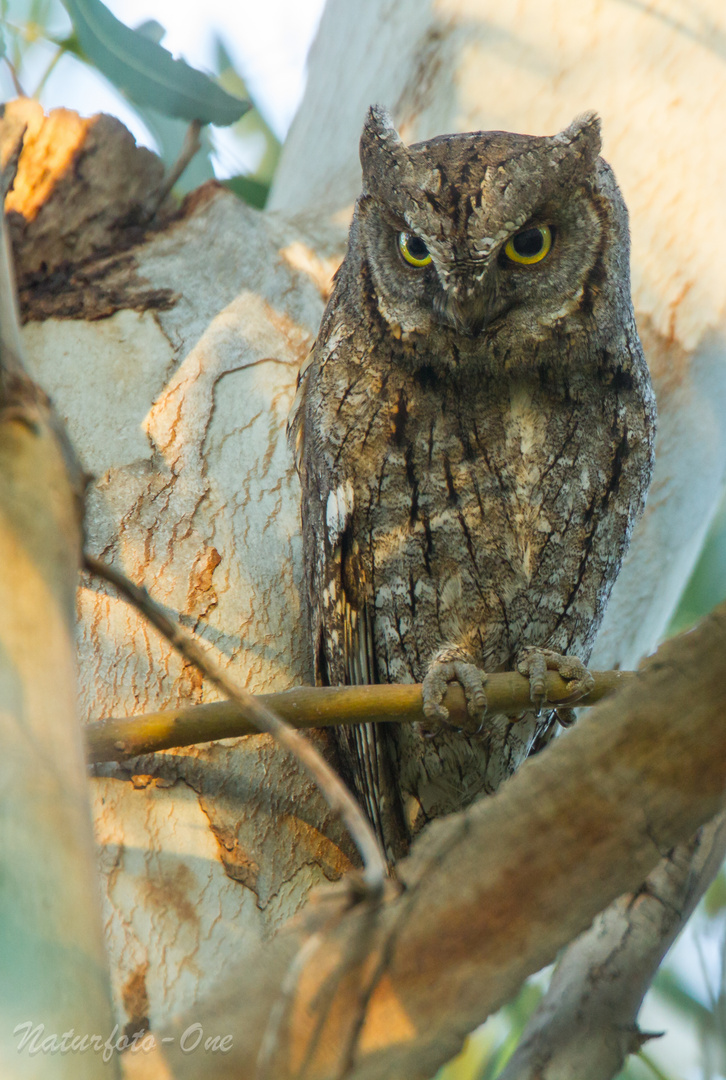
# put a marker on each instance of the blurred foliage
(714, 902)
(643, 1067)
(253, 125)
(36, 35)
(145, 72)
(707, 585)
(487, 1050)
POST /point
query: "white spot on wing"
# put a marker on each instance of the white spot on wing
(339, 511)
(451, 594)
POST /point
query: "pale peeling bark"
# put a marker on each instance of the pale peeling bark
(490, 894)
(222, 844)
(53, 977)
(178, 411)
(586, 1023)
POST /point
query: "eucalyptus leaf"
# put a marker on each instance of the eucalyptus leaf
(169, 135)
(676, 993)
(151, 29)
(69, 44)
(254, 123)
(146, 72)
(714, 902)
(248, 189)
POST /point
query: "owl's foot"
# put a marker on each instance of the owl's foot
(534, 664)
(448, 666)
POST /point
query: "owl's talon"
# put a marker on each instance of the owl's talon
(534, 664)
(472, 681)
(565, 717)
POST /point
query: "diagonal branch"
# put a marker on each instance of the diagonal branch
(263, 718)
(586, 1024)
(490, 895)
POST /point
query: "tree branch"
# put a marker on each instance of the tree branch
(54, 972)
(317, 707)
(586, 1024)
(491, 894)
(262, 717)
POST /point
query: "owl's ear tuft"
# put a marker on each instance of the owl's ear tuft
(380, 145)
(379, 125)
(583, 136)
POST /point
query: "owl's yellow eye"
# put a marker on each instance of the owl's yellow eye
(413, 249)
(529, 246)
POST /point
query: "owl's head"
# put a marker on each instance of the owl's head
(463, 230)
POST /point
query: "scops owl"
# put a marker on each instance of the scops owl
(474, 434)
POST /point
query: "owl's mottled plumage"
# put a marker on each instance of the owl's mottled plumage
(474, 438)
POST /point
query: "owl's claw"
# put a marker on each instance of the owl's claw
(534, 664)
(472, 680)
(565, 717)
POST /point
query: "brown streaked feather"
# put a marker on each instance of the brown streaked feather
(475, 442)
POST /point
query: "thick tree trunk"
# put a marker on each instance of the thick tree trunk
(53, 977)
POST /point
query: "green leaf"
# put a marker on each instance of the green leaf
(151, 29)
(714, 901)
(676, 993)
(146, 72)
(254, 122)
(169, 135)
(69, 44)
(249, 190)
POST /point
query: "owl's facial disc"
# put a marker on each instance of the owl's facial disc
(471, 292)
(468, 314)
(469, 310)
(463, 262)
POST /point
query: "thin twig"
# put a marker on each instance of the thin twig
(191, 145)
(316, 707)
(60, 51)
(334, 790)
(14, 76)
(10, 339)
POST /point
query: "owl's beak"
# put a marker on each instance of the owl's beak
(470, 314)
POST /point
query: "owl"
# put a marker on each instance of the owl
(474, 436)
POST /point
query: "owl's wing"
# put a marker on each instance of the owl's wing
(345, 648)
(341, 607)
